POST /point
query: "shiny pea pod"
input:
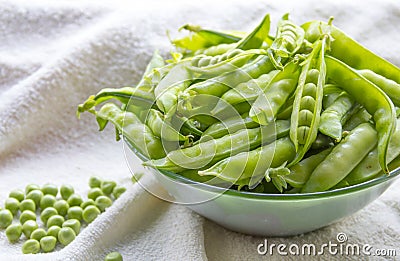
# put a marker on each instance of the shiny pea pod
(215, 50)
(256, 38)
(360, 115)
(160, 127)
(342, 159)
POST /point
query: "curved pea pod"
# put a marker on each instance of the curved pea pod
(390, 87)
(211, 151)
(156, 61)
(216, 49)
(331, 92)
(360, 115)
(267, 105)
(359, 57)
(332, 118)
(342, 159)
(375, 101)
(300, 172)
(133, 130)
(252, 164)
(369, 167)
(257, 37)
(161, 128)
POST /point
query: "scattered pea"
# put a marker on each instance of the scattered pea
(89, 202)
(47, 213)
(36, 195)
(62, 207)
(14, 232)
(55, 220)
(113, 256)
(75, 213)
(31, 246)
(31, 187)
(66, 191)
(53, 231)
(48, 243)
(94, 193)
(12, 204)
(74, 200)
(90, 213)
(27, 215)
(28, 227)
(66, 235)
(118, 191)
(27, 204)
(103, 202)
(94, 182)
(17, 194)
(6, 218)
(50, 189)
(108, 186)
(38, 234)
(47, 200)
(74, 224)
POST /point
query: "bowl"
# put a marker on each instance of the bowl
(270, 214)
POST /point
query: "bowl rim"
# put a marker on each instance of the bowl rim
(254, 195)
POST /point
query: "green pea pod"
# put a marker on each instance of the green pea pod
(331, 93)
(156, 61)
(257, 37)
(377, 103)
(137, 133)
(216, 49)
(300, 172)
(211, 151)
(266, 106)
(254, 163)
(360, 115)
(390, 87)
(161, 128)
(342, 159)
(332, 118)
(369, 166)
(358, 58)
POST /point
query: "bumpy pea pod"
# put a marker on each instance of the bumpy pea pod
(307, 104)
(342, 159)
(288, 40)
(230, 125)
(359, 57)
(281, 87)
(209, 152)
(332, 118)
(390, 87)
(216, 49)
(369, 166)
(377, 103)
(137, 133)
(257, 37)
(252, 164)
(160, 127)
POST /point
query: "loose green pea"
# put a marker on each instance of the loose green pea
(62, 207)
(94, 182)
(14, 232)
(17, 194)
(90, 213)
(66, 235)
(47, 213)
(27, 215)
(118, 191)
(53, 231)
(94, 193)
(36, 195)
(108, 186)
(28, 227)
(66, 191)
(74, 200)
(55, 220)
(50, 189)
(103, 202)
(113, 256)
(48, 243)
(12, 204)
(74, 224)
(27, 204)
(31, 187)
(38, 234)
(47, 200)
(89, 202)
(75, 212)
(31, 246)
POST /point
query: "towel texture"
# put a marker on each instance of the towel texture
(54, 54)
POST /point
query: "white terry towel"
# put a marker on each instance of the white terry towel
(54, 54)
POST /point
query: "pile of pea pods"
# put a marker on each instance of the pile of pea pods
(307, 109)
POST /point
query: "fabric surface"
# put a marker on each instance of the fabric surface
(54, 54)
